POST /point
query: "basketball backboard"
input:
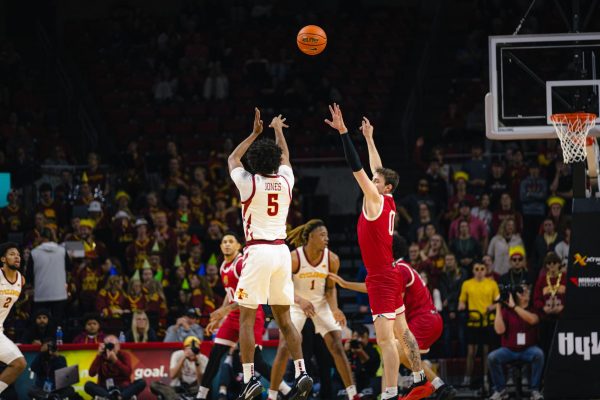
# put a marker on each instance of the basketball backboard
(535, 76)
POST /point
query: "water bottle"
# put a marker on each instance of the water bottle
(122, 337)
(59, 336)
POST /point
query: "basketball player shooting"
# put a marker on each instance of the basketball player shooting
(11, 284)
(266, 277)
(315, 298)
(375, 229)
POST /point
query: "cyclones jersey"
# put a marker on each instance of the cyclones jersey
(310, 280)
(265, 202)
(417, 298)
(9, 294)
(230, 275)
(375, 237)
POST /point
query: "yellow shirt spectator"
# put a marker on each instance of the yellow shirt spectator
(478, 295)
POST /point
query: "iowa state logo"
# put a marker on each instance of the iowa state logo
(241, 294)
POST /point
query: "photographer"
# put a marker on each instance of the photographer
(44, 365)
(364, 360)
(516, 323)
(186, 369)
(113, 368)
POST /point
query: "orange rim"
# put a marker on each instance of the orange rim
(571, 117)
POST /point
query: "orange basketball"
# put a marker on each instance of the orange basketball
(311, 40)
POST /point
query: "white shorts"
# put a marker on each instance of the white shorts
(9, 351)
(323, 319)
(266, 276)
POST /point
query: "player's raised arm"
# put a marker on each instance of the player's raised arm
(374, 159)
(278, 123)
(235, 158)
(368, 188)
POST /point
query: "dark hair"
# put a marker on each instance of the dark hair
(399, 246)
(361, 330)
(4, 247)
(299, 235)
(264, 157)
(551, 257)
(390, 177)
(90, 317)
(235, 235)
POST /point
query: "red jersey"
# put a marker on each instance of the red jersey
(417, 298)
(230, 275)
(375, 237)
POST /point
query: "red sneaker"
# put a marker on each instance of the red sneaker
(419, 391)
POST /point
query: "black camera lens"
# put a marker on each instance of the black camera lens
(109, 346)
(195, 348)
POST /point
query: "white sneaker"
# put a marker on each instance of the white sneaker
(499, 395)
(535, 395)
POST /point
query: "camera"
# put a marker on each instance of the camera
(195, 348)
(507, 290)
(109, 347)
(355, 344)
(52, 347)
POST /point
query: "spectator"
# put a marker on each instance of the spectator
(185, 370)
(138, 251)
(477, 297)
(517, 274)
(505, 239)
(482, 211)
(506, 211)
(416, 230)
(135, 295)
(477, 168)
(111, 301)
(489, 268)
(450, 285)
(556, 206)
(562, 248)
(416, 260)
(156, 304)
(460, 194)
(465, 248)
(533, 192)
(549, 298)
(477, 228)
(140, 331)
(47, 271)
(41, 328)
(562, 184)
(435, 251)
(92, 332)
(44, 365)
(186, 325)
(409, 206)
(516, 323)
(113, 368)
(364, 360)
(544, 243)
(216, 84)
(438, 183)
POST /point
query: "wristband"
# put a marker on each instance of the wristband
(350, 152)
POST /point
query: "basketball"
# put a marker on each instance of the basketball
(311, 40)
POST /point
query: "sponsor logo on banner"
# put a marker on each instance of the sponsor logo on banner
(583, 261)
(585, 282)
(584, 346)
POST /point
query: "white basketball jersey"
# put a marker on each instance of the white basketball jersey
(9, 294)
(265, 211)
(310, 280)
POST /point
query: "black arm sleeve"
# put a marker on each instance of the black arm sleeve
(350, 152)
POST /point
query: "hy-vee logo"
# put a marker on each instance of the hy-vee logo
(585, 346)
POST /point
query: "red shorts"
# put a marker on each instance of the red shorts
(385, 298)
(427, 329)
(229, 332)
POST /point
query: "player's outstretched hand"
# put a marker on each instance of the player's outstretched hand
(337, 120)
(278, 123)
(258, 123)
(337, 279)
(212, 327)
(366, 128)
(339, 316)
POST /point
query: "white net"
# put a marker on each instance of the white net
(572, 130)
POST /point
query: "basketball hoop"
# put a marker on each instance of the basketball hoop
(572, 130)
